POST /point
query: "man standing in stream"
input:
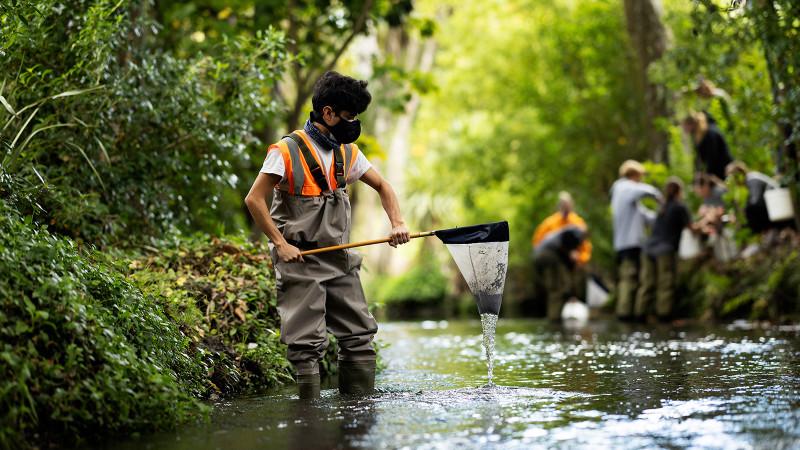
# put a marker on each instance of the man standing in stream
(307, 173)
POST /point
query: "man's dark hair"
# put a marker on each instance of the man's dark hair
(340, 92)
(672, 188)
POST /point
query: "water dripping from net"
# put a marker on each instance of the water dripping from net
(488, 326)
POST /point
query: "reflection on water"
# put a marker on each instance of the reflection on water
(608, 385)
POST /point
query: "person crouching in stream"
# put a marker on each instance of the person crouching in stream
(557, 268)
(306, 174)
(659, 255)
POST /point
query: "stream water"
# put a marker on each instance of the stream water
(608, 385)
(488, 329)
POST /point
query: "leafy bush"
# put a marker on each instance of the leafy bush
(83, 348)
(765, 286)
(116, 141)
(83, 351)
(222, 295)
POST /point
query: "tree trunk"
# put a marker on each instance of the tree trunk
(650, 39)
(393, 131)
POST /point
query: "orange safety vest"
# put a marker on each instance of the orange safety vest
(556, 222)
(298, 178)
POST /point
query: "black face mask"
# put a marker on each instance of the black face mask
(345, 132)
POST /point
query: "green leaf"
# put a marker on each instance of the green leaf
(7, 105)
(88, 161)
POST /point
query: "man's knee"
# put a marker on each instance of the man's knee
(305, 357)
(357, 347)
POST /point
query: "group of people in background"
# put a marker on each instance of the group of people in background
(647, 241)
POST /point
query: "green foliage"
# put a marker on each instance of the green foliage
(424, 283)
(765, 286)
(113, 343)
(319, 32)
(552, 102)
(726, 47)
(83, 351)
(657, 174)
(222, 294)
(548, 103)
(115, 140)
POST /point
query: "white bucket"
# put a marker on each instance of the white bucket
(596, 296)
(724, 245)
(690, 245)
(575, 311)
(779, 204)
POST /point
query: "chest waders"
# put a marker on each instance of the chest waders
(324, 292)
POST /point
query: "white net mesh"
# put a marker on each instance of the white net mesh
(483, 265)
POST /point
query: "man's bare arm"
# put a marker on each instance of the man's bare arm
(390, 204)
(256, 202)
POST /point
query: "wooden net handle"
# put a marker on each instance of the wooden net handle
(361, 243)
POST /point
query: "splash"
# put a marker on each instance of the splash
(489, 325)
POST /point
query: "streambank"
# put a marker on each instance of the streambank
(110, 343)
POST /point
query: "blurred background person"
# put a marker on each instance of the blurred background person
(555, 260)
(659, 256)
(629, 218)
(565, 215)
(712, 217)
(712, 209)
(757, 183)
(712, 153)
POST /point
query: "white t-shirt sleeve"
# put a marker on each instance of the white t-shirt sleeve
(360, 167)
(273, 163)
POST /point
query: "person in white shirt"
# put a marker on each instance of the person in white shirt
(630, 218)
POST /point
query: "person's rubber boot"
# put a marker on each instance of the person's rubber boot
(356, 377)
(308, 386)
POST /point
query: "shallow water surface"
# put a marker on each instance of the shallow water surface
(607, 385)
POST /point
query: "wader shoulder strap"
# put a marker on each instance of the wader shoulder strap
(348, 159)
(298, 174)
(339, 170)
(311, 162)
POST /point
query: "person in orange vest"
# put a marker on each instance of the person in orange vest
(307, 173)
(563, 217)
(561, 276)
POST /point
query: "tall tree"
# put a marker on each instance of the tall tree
(402, 64)
(650, 39)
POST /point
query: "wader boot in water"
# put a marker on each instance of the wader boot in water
(554, 280)
(628, 268)
(356, 377)
(656, 281)
(308, 386)
(322, 294)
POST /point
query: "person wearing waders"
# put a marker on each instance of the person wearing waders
(568, 273)
(555, 261)
(307, 173)
(659, 256)
(630, 218)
